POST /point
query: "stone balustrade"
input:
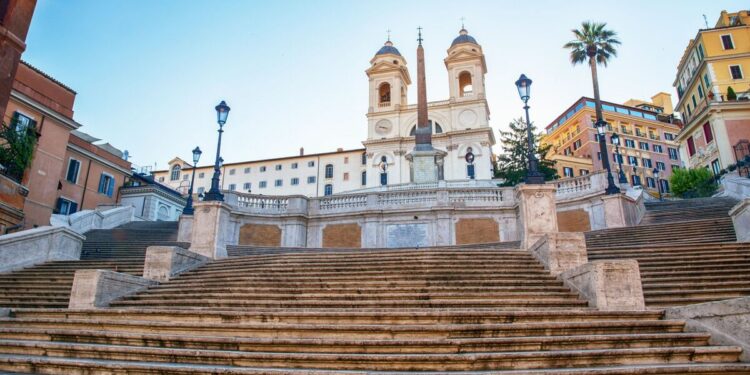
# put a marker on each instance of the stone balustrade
(578, 187)
(103, 217)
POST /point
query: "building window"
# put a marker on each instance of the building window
(364, 178)
(329, 170)
(701, 54)
(464, 84)
(310, 179)
(567, 151)
(161, 179)
(232, 187)
(643, 146)
(364, 158)
(660, 166)
(650, 182)
(567, 172)
(263, 168)
(383, 178)
(577, 144)
(185, 177)
(669, 136)
(247, 170)
(630, 143)
(727, 42)
(691, 146)
(736, 71)
(311, 163)
(262, 184)
(346, 176)
(346, 160)
(647, 163)
(295, 181)
(295, 165)
(707, 81)
(695, 104)
(328, 190)
(74, 166)
(583, 172)
(708, 133)
(175, 175)
(106, 184)
(201, 175)
(201, 190)
(658, 148)
(715, 166)
(632, 160)
(246, 186)
(672, 153)
(636, 180)
(231, 172)
(278, 167)
(664, 185)
(22, 122)
(470, 171)
(65, 206)
(278, 183)
(675, 167)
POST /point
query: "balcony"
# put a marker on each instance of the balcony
(384, 104)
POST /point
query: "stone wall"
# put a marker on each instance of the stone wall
(342, 235)
(260, 235)
(472, 231)
(38, 245)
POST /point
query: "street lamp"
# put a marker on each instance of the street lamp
(601, 128)
(222, 111)
(188, 210)
(658, 183)
(616, 141)
(533, 176)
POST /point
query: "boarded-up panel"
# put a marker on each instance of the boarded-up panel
(342, 235)
(573, 221)
(469, 231)
(260, 235)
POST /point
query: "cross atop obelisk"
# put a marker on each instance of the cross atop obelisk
(423, 131)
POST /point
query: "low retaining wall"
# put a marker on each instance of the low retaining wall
(559, 252)
(38, 245)
(98, 288)
(740, 214)
(727, 321)
(84, 221)
(164, 262)
(608, 285)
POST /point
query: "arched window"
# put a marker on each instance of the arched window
(328, 190)
(465, 87)
(329, 170)
(437, 129)
(175, 173)
(384, 94)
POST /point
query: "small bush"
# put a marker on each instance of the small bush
(731, 95)
(692, 183)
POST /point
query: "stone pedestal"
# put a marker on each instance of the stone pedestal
(560, 252)
(164, 262)
(741, 219)
(98, 288)
(619, 211)
(608, 285)
(185, 228)
(211, 229)
(424, 165)
(537, 212)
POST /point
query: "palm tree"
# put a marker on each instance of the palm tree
(595, 44)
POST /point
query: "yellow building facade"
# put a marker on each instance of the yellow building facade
(646, 130)
(717, 125)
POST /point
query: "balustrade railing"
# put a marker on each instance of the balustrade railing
(263, 203)
(407, 197)
(342, 202)
(485, 196)
(581, 186)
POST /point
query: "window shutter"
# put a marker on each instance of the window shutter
(101, 184)
(73, 208)
(111, 187)
(58, 203)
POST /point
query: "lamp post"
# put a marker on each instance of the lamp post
(214, 194)
(601, 128)
(621, 175)
(188, 210)
(658, 183)
(533, 176)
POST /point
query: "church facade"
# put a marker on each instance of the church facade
(459, 125)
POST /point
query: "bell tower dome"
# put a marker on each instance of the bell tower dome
(466, 68)
(389, 79)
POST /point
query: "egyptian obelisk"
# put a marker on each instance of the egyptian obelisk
(424, 158)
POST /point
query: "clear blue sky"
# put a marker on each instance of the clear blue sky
(148, 73)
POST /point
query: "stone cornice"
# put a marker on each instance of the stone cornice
(70, 123)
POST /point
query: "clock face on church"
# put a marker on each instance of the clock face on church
(383, 127)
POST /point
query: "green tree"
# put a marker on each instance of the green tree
(17, 148)
(512, 164)
(731, 95)
(692, 183)
(594, 44)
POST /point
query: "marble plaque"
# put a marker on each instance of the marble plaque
(407, 235)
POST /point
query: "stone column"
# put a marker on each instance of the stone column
(210, 229)
(15, 18)
(537, 212)
(740, 214)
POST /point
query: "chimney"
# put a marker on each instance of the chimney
(301, 151)
(339, 149)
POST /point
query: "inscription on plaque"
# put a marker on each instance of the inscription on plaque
(407, 235)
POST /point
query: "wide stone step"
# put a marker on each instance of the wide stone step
(394, 277)
(694, 285)
(330, 297)
(178, 284)
(166, 289)
(371, 361)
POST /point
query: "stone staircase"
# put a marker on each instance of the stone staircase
(121, 249)
(359, 311)
(682, 260)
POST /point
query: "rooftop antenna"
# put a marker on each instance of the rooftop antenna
(419, 38)
(705, 19)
